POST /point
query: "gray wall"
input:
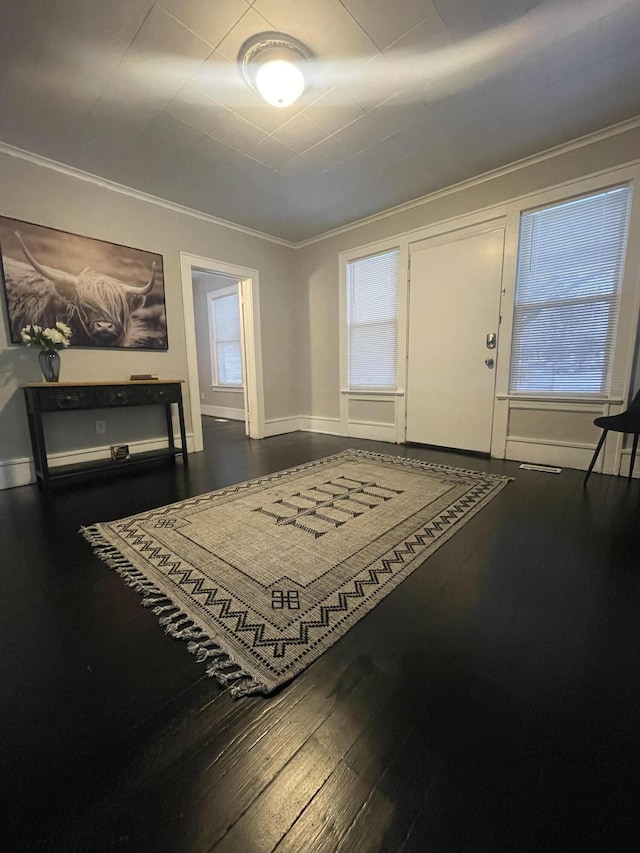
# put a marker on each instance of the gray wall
(299, 291)
(317, 264)
(35, 193)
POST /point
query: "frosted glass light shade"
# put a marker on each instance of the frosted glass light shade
(279, 82)
(276, 66)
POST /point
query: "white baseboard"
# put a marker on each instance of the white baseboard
(328, 426)
(222, 412)
(303, 423)
(565, 455)
(373, 431)
(558, 454)
(331, 426)
(625, 461)
(20, 472)
(280, 426)
(16, 472)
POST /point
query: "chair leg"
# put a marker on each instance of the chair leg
(633, 455)
(595, 455)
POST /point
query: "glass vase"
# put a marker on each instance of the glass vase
(49, 364)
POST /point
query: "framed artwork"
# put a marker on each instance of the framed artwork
(109, 295)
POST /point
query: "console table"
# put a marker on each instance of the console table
(74, 396)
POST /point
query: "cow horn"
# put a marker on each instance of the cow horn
(129, 288)
(64, 279)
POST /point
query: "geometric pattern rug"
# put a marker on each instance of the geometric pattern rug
(260, 578)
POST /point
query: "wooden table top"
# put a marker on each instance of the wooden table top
(103, 382)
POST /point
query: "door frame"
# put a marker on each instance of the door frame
(248, 288)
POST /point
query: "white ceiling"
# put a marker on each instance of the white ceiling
(408, 96)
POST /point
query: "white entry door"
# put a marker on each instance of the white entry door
(454, 304)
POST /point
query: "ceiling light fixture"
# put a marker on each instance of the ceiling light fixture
(272, 64)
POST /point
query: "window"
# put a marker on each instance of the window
(569, 275)
(224, 325)
(372, 321)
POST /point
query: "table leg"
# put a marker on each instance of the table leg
(183, 432)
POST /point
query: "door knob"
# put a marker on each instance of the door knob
(489, 361)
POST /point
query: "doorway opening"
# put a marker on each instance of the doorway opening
(217, 312)
(212, 378)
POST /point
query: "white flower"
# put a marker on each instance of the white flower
(54, 336)
(57, 337)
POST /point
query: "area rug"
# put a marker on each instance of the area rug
(262, 577)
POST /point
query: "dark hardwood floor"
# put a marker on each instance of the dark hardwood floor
(490, 703)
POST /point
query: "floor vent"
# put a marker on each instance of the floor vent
(549, 469)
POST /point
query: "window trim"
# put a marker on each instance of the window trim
(348, 426)
(507, 209)
(610, 390)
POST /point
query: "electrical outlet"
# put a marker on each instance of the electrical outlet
(202, 395)
(101, 427)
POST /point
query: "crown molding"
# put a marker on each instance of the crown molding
(549, 153)
(501, 171)
(105, 183)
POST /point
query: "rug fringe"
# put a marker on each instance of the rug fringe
(177, 623)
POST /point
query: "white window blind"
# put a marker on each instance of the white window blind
(569, 275)
(225, 338)
(372, 320)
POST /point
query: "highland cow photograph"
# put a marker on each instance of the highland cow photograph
(109, 295)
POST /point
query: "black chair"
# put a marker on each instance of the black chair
(627, 422)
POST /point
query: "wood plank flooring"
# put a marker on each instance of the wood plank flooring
(490, 703)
